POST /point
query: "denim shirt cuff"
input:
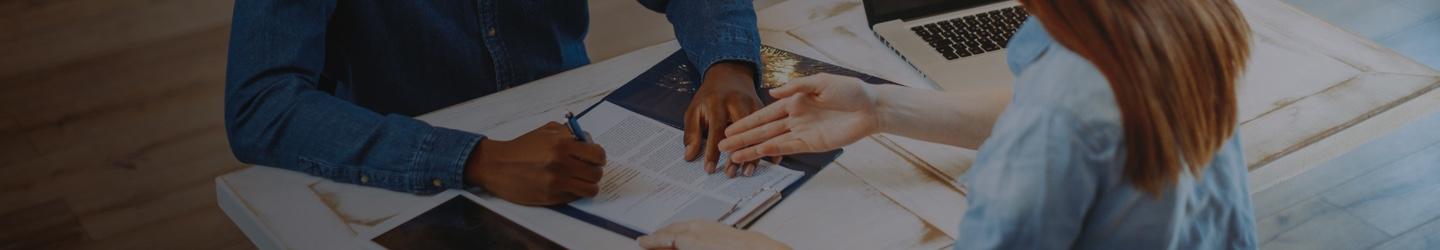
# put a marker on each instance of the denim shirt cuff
(440, 162)
(753, 61)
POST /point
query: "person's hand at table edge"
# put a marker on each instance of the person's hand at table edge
(727, 94)
(705, 235)
(546, 166)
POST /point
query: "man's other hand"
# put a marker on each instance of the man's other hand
(546, 166)
(726, 95)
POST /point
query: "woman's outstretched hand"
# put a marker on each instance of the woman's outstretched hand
(704, 235)
(813, 114)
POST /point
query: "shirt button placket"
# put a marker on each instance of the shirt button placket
(490, 32)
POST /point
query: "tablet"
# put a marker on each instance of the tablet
(453, 220)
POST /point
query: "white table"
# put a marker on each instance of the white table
(1313, 92)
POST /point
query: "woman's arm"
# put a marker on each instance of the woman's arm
(825, 112)
(961, 119)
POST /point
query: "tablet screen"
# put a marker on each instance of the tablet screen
(462, 224)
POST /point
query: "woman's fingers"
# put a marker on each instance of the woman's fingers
(787, 147)
(745, 154)
(765, 115)
(753, 136)
(808, 84)
(786, 144)
(752, 152)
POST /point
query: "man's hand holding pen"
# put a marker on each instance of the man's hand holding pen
(546, 166)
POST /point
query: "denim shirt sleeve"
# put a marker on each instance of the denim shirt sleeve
(1031, 185)
(276, 116)
(713, 31)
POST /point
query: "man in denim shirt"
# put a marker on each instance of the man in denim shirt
(328, 88)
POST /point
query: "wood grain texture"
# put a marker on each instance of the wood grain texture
(110, 126)
(1317, 225)
(1394, 198)
(132, 24)
(1313, 90)
(1378, 153)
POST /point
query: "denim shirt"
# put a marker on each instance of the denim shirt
(329, 87)
(1051, 174)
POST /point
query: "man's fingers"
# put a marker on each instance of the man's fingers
(731, 169)
(748, 168)
(583, 171)
(753, 136)
(657, 241)
(694, 125)
(588, 152)
(558, 197)
(712, 150)
(739, 109)
(579, 187)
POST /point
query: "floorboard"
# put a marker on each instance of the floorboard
(1384, 189)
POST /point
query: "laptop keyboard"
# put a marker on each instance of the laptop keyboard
(973, 35)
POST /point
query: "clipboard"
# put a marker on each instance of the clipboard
(663, 93)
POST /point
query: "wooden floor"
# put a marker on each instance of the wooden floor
(1384, 194)
(111, 130)
(110, 124)
(1410, 27)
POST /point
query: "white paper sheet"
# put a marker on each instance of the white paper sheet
(648, 185)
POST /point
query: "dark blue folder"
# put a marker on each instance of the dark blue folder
(664, 91)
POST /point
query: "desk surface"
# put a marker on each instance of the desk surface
(1313, 91)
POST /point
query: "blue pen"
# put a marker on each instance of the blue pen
(575, 127)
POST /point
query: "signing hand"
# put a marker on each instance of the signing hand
(546, 166)
(814, 114)
(703, 235)
(726, 95)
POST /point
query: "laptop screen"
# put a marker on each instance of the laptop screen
(878, 11)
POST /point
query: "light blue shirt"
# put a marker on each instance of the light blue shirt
(1051, 174)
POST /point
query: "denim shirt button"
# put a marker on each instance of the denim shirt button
(437, 183)
(364, 179)
(491, 32)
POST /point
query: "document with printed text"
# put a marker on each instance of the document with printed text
(648, 185)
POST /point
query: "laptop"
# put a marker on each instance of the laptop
(956, 43)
